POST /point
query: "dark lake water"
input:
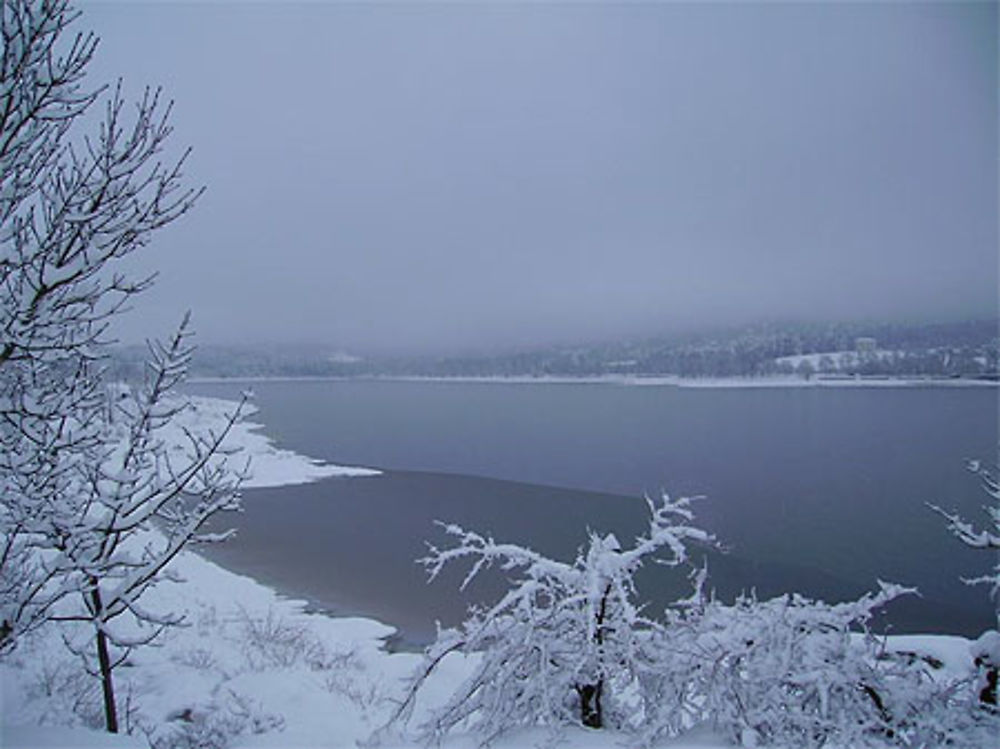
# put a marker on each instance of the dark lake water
(819, 490)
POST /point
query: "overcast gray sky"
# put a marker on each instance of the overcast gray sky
(443, 175)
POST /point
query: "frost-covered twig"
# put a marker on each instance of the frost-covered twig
(987, 539)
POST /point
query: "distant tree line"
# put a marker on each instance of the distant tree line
(965, 349)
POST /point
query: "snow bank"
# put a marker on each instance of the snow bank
(60, 737)
(987, 648)
(269, 465)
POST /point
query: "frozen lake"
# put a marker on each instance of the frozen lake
(816, 489)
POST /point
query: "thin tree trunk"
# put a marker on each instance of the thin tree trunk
(104, 661)
(988, 694)
(591, 712)
(590, 704)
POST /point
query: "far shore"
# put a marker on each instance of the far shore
(635, 380)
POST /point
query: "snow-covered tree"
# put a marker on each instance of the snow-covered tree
(137, 506)
(69, 208)
(92, 506)
(567, 643)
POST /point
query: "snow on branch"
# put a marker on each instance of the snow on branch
(987, 538)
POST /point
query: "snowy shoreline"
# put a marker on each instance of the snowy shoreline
(260, 667)
(270, 466)
(637, 381)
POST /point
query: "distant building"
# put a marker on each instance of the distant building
(865, 345)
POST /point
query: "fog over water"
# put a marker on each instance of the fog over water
(428, 176)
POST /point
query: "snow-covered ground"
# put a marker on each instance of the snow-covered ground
(258, 667)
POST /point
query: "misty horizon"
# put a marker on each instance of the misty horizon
(448, 178)
(676, 337)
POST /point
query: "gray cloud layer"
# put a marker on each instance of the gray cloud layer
(437, 175)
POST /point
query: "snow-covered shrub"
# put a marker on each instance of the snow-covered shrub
(792, 672)
(63, 692)
(568, 642)
(272, 641)
(345, 673)
(351, 682)
(946, 709)
(785, 672)
(949, 715)
(200, 659)
(214, 725)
